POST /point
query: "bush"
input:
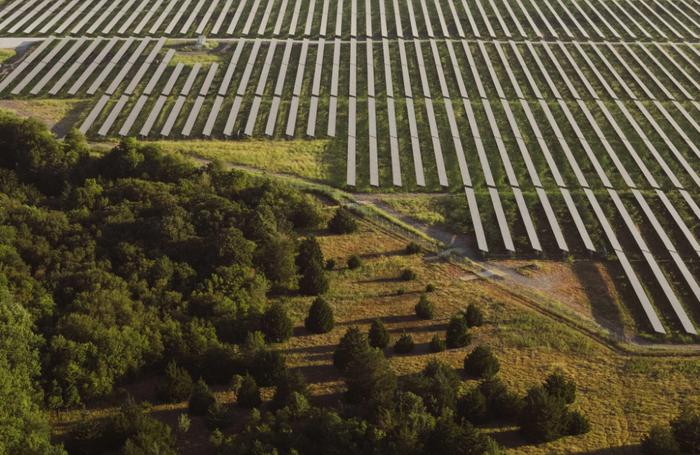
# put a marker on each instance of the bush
(544, 416)
(276, 324)
(413, 248)
(457, 335)
(354, 262)
(577, 423)
(266, 366)
(249, 393)
(425, 308)
(660, 441)
(686, 430)
(313, 280)
(201, 398)
(320, 318)
(378, 335)
(342, 222)
(501, 403)
(449, 438)
(369, 379)
(176, 386)
(404, 344)
(430, 287)
(291, 383)
(408, 275)
(352, 345)
(330, 264)
(472, 407)
(481, 363)
(437, 384)
(560, 386)
(473, 316)
(437, 344)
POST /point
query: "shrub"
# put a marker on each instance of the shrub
(544, 416)
(176, 386)
(560, 386)
(660, 441)
(249, 393)
(313, 280)
(473, 316)
(449, 438)
(266, 366)
(430, 287)
(686, 430)
(501, 403)
(408, 275)
(354, 262)
(291, 383)
(437, 384)
(276, 324)
(378, 335)
(330, 264)
(320, 318)
(201, 398)
(404, 344)
(481, 363)
(425, 308)
(342, 222)
(216, 417)
(577, 423)
(457, 335)
(352, 345)
(437, 344)
(413, 248)
(369, 379)
(472, 407)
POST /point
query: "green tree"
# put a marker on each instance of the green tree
(558, 385)
(354, 262)
(457, 335)
(481, 362)
(352, 345)
(425, 309)
(152, 437)
(378, 335)
(473, 316)
(369, 379)
(313, 280)
(449, 438)
(320, 318)
(201, 398)
(472, 407)
(543, 417)
(660, 441)
(342, 222)
(293, 382)
(176, 386)
(404, 344)
(437, 344)
(249, 393)
(276, 324)
(686, 430)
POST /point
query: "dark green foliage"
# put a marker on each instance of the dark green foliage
(449, 438)
(407, 424)
(309, 253)
(249, 393)
(352, 345)
(276, 324)
(276, 257)
(437, 344)
(473, 316)
(686, 430)
(413, 248)
(330, 264)
(472, 407)
(501, 403)
(408, 275)
(481, 363)
(577, 424)
(660, 441)
(313, 280)
(437, 384)
(216, 417)
(267, 366)
(152, 437)
(544, 416)
(354, 262)
(320, 318)
(201, 398)
(404, 345)
(457, 334)
(176, 386)
(560, 386)
(293, 382)
(342, 222)
(430, 287)
(378, 335)
(425, 309)
(369, 379)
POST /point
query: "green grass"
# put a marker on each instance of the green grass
(6, 54)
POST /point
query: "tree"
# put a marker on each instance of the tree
(313, 280)
(354, 262)
(378, 335)
(448, 438)
(369, 379)
(413, 248)
(293, 382)
(276, 324)
(408, 275)
(501, 403)
(457, 335)
(425, 309)
(472, 407)
(473, 316)
(352, 345)
(437, 384)
(686, 430)
(201, 398)
(543, 417)
(481, 363)
(577, 423)
(309, 253)
(320, 318)
(342, 222)
(660, 441)
(152, 437)
(249, 393)
(560, 386)
(176, 386)
(404, 344)
(437, 344)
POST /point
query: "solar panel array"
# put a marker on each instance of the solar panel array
(569, 126)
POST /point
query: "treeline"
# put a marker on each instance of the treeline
(120, 265)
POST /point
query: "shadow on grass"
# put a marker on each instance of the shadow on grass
(63, 126)
(603, 307)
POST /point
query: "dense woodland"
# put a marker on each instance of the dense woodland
(133, 264)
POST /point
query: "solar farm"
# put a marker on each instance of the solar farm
(570, 128)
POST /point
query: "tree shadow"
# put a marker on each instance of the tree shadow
(63, 126)
(603, 307)
(385, 319)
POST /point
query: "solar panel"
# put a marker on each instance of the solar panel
(207, 17)
(70, 19)
(687, 233)
(19, 21)
(370, 68)
(470, 18)
(554, 169)
(116, 110)
(484, 17)
(580, 74)
(544, 19)
(153, 116)
(404, 69)
(57, 66)
(332, 110)
(595, 71)
(573, 19)
(172, 117)
(456, 70)
(309, 18)
(622, 24)
(335, 68)
(500, 20)
(457, 141)
(136, 80)
(134, 14)
(646, 19)
(189, 82)
(393, 143)
(666, 23)
(92, 66)
(352, 77)
(339, 19)
(296, 91)
(262, 80)
(426, 19)
(109, 67)
(415, 143)
(117, 17)
(438, 68)
(74, 67)
(90, 119)
(529, 165)
(213, 114)
(292, 117)
(39, 67)
(373, 161)
(272, 117)
(474, 69)
(543, 71)
(23, 4)
(492, 73)
(677, 128)
(578, 221)
(184, 6)
(192, 16)
(480, 151)
(515, 19)
(581, 179)
(313, 110)
(233, 116)
(631, 72)
(162, 16)
(476, 220)
(603, 20)
(41, 18)
(131, 119)
(532, 23)
(501, 220)
(630, 18)
(222, 15)
(236, 17)
(620, 81)
(676, 66)
(127, 67)
(527, 220)
(510, 173)
(412, 19)
(324, 18)
(295, 18)
(192, 118)
(511, 76)
(316, 84)
(167, 90)
(382, 19)
(87, 17)
(159, 72)
(106, 13)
